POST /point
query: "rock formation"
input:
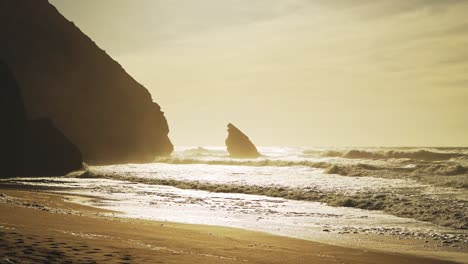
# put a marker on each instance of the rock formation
(66, 77)
(31, 147)
(239, 145)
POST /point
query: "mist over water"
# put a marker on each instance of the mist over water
(428, 184)
(297, 192)
(420, 164)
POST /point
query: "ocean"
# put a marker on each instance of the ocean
(323, 194)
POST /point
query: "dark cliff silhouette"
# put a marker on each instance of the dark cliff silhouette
(65, 76)
(239, 145)
(31, 147)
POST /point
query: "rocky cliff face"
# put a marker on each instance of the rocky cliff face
(31, 147)
(239, 145)
(65, 76)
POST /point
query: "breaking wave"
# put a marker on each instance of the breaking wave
(396, 170)
(419, 207)
(203, 152)
(424, 155)
(445, 167)
(366, 170)
(238, 162)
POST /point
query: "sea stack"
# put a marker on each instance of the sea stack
(66, 77)
(31, 147)
(239, 145)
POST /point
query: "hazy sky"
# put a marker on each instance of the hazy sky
(294, 72)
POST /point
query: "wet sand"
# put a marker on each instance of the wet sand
(40, 227)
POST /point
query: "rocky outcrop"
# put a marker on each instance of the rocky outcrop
(43, 150)
(66, 77)
(239, 145)
(31, 147)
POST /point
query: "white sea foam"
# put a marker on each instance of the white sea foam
(302, 219)
(290, 191)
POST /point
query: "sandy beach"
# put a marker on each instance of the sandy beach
(41, 227)
(284, 131)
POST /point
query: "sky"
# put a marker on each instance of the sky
(294, 72)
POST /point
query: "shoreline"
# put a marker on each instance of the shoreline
(126, 240)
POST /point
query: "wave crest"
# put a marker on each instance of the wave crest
(418, 207)
(234, 162)
(203, 152)
(424, 155)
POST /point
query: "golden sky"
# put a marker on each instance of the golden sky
(294, 72)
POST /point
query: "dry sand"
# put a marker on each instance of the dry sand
(40, 227)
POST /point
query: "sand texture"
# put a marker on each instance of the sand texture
(38, 227)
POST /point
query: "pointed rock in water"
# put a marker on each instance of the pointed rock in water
(66, 77)
(31, 147)
(239, 145)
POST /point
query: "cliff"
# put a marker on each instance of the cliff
(66, 77)
(31, 147)
(239, 145)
